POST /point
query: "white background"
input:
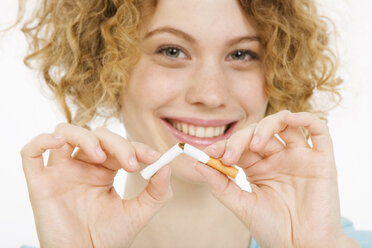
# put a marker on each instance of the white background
(25, 111)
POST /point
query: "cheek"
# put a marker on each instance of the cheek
(153, 86)
(250, 92)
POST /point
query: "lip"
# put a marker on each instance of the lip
(196, 141)
(201, 122)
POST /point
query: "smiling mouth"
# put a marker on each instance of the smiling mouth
(199, 131)
(199, 135)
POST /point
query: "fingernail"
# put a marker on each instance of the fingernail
(255, 140)
(228, 154)
(133, 162)
(210, 151)
(99, 152)
(153, 153)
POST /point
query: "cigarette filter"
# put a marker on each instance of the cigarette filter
(167, 157)
(212, 162)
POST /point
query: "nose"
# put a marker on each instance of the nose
(208, 86)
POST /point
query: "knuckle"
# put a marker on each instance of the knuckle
(91, 138)
(132, 146)
(285, 112)
(313, 116)
(154, 197)
(88, 137)
(26, 147)
(23, 151)
(310, 116)
(250, 129)
(130, 152)
(100, 129)
(60, 126)
(126, 150)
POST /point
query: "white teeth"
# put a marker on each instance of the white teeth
(192, 130)
(209, 132)
(222, 129)
(217, 131)
(201, 132)
(184, 127)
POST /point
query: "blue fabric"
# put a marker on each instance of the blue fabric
(364, 238)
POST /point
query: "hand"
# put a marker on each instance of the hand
(294, 200)
(73, 199)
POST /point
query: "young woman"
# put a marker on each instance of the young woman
(229, 77)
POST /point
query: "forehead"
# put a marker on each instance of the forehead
(202, 17)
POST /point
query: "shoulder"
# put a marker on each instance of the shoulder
(364, 238)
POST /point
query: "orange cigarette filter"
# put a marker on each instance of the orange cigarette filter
(218, 165)
(212, 162)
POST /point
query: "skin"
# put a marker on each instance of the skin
(294, 200)
(202, 81)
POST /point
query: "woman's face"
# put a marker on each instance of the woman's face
(198, 80)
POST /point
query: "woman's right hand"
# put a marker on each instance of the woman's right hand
(73, 199)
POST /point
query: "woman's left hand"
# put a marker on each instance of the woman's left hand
(294, 200)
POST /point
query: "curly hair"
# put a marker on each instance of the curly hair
(86, 49)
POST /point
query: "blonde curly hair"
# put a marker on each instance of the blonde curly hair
(86, 49)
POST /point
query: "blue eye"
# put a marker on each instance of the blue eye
(172, 52)
(243, 55)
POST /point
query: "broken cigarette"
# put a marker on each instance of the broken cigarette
(212, 162)
(171, 154)
(193, 152)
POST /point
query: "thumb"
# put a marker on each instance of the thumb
(152, 198)
(240, 202)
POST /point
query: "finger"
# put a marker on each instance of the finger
(82, 138)
(60, 154)
(217, 149)
(319, 132)
(246, 159)
(226, 191)
(155, 195)
(110, 163)
(250, 159)
(237, 144)
(237, 148)
(293, 137)
(268, 127)
(120, 152)
(32, 152)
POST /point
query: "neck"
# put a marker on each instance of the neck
(182, 191)
(191, 211)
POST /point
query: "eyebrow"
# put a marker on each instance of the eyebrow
(244, 38)
(173, 31)
(189, 38)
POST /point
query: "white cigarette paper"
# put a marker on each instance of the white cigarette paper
(196, 153)
(212, 162)
(167, 157)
